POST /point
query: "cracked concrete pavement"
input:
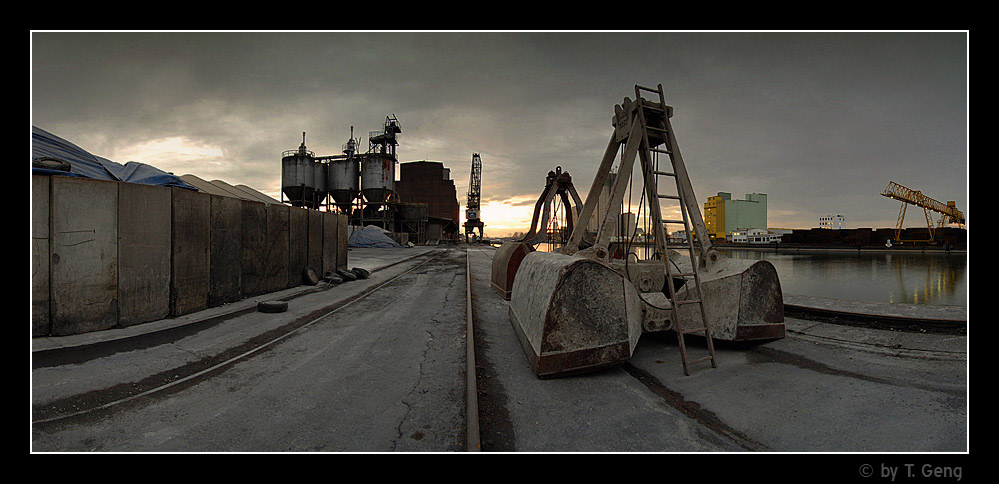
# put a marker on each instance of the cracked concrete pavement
(824, 388)
(384, 373)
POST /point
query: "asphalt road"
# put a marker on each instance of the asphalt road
(384, 373)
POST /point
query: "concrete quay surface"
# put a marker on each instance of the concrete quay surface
(955, 315)
(369, 365)
(823, 388)
(379, 365)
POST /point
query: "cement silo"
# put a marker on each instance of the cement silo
(344, 183)
(378, 165)
(322, 175)
(344, 176)
(298, 176)
(377, 177)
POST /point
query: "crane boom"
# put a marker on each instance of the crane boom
(909, 196)
(475, 183)
(916, 197)
(472, 206)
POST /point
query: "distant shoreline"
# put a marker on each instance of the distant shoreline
(840, 248)
(808, 248)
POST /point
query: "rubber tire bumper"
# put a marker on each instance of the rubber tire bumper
(272, 306)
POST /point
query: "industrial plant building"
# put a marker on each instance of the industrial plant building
(723, 215)
(150, 245)
(420, 207)
(430, 183)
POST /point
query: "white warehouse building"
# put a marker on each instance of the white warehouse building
(835, 222)
(755, 236)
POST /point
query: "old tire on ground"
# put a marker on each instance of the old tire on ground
(272, 306)
(309, 277)
(347, 275)
(360, 272)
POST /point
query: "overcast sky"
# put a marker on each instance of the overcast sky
(820, 122)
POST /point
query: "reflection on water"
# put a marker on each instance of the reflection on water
(936, 279)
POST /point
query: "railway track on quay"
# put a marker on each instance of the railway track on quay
(190, 375)
(492, 402)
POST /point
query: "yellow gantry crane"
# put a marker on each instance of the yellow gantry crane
(949, 211)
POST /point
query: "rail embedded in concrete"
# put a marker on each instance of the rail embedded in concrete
(472, 443)
(312, 318)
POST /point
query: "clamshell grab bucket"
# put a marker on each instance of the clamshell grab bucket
(506, 262)
(743, 299)
(573, 314)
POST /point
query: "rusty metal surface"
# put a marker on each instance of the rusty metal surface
(760, 331)
(506, 261)
(738, 295)
(572, 362)
(573, 314)
(573, 308)
(646, 275)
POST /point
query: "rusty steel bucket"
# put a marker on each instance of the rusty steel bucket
(506, 261)
(573, 314)
(742, 299)
(507, 258)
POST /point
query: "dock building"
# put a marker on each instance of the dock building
(430, 182)
(723, 215)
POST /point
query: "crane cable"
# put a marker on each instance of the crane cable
(627, 252)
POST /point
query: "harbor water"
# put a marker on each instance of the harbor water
(886, 277)
(883, 277)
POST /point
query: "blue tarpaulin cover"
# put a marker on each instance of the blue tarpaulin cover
(370, 236)
(83, 163)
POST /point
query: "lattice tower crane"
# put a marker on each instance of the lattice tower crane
(472, 207)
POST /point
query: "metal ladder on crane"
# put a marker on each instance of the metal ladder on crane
(657, 123)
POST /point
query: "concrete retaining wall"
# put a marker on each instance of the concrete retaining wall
(39, 255)
(225, 255)
(330, 221)
(314, 260)
(341, 236)
(108, 254)
(190, 274)
(298, 244)
(144, 253)
(83, 268)
(276, 249)
(253, 247)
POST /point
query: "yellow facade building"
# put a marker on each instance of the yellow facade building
(723, 215)
(714, 215)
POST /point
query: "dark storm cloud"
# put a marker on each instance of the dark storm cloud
(818, 121)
